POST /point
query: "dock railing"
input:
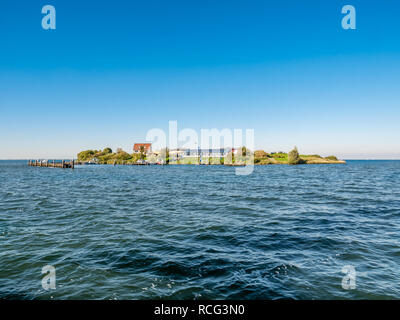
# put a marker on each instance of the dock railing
(65, 164)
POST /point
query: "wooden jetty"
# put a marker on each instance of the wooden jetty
(70, 164)
(121, 163)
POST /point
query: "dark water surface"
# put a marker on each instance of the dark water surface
(197, 232)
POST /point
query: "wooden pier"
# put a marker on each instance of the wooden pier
(121, 163)
(70, 164)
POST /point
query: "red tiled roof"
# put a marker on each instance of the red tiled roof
(137, 146)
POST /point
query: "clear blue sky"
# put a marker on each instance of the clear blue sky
(112, 70)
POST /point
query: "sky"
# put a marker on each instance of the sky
(113, 70)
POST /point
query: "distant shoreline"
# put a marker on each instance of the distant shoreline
(223, 156)
(67, 158)
(205, 164)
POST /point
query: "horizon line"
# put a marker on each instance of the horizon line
(74, 158)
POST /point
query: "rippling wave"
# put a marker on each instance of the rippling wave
(200, 232)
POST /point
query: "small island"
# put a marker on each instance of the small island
(142, 155)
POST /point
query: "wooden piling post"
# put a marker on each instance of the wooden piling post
(70, 164)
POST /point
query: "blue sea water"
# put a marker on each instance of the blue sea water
(200, 232)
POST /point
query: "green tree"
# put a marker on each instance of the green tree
(294, 157)
(331, 158)
(165, 155)
(86, 155)
(142, 152)
(123, 156)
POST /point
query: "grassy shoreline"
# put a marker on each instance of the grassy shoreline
(258, 157)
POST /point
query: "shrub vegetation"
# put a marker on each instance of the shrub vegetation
(294, 157)
(333, 158)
